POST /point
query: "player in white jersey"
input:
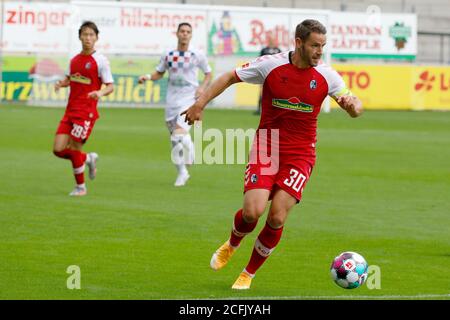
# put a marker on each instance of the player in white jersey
(183, 89)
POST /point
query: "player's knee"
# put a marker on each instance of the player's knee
(276, 220)
(57, 151)
(179, 131)
(252, 212)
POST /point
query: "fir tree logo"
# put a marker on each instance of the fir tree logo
(400, 33)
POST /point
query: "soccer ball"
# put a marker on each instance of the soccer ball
(349, 270)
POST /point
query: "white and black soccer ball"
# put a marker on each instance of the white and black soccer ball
(349, 270)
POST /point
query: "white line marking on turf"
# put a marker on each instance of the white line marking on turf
(418, 296)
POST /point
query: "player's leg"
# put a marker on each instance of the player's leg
(181, 133)
(79, 137)
(290, 182)
(182, 130)
(245, 221)
(268, 238)
(257, 190)
(270, 235)
(182, 148)
(68, 144)
(62, 138)
(78, 159)
(62, 148)
(60, 144)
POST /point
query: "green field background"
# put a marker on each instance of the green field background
(380, 187)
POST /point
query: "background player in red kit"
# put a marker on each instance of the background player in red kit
(295, 85)
(87, 72)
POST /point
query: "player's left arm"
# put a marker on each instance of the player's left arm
(201, 88)
(351, 104)
(62, 83)
(105, 74)
(206, 68)
(341, 94)
(106, 90)
(194, 112)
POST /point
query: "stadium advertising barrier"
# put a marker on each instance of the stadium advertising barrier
(373, 35)
(400, 87)
(133, 36)
(30, 80)
(124, 28)
(242, 32)
(35, 27)
(148, 28)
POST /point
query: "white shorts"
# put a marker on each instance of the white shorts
(177, 103)
(178, 120)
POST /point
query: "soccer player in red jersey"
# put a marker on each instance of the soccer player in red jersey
(87, 72)
(295, 85)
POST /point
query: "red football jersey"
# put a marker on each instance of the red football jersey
(86, 74)
(291, 100)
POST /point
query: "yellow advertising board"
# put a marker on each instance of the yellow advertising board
(430, 88)
(377, 86)
(398, 87)
(384, 87)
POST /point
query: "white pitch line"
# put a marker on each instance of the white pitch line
(418, 296)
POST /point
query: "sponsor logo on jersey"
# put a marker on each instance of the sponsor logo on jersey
(293, 103)
(313, 84)
(80, 79)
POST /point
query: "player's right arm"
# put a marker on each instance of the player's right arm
(351, 104)
(153, 77)
(158, 73)
(219, 85)
(252, 72)
(340, 93)
(62, 83)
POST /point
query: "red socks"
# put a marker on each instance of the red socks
(240, 229)
(264, 245)
(78, 159)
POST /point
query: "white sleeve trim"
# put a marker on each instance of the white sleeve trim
(161, 67)
(257, 71)
(336, 85)
(104, 69)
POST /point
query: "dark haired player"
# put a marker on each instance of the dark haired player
(88, 71)
(182, 64)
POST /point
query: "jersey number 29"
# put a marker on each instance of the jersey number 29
(80, 131)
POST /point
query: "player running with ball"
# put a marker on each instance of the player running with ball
(87, 72)
(295, 85)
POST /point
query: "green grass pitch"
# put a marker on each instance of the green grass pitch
(381, 187)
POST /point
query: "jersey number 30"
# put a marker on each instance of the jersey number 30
(296, 180)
